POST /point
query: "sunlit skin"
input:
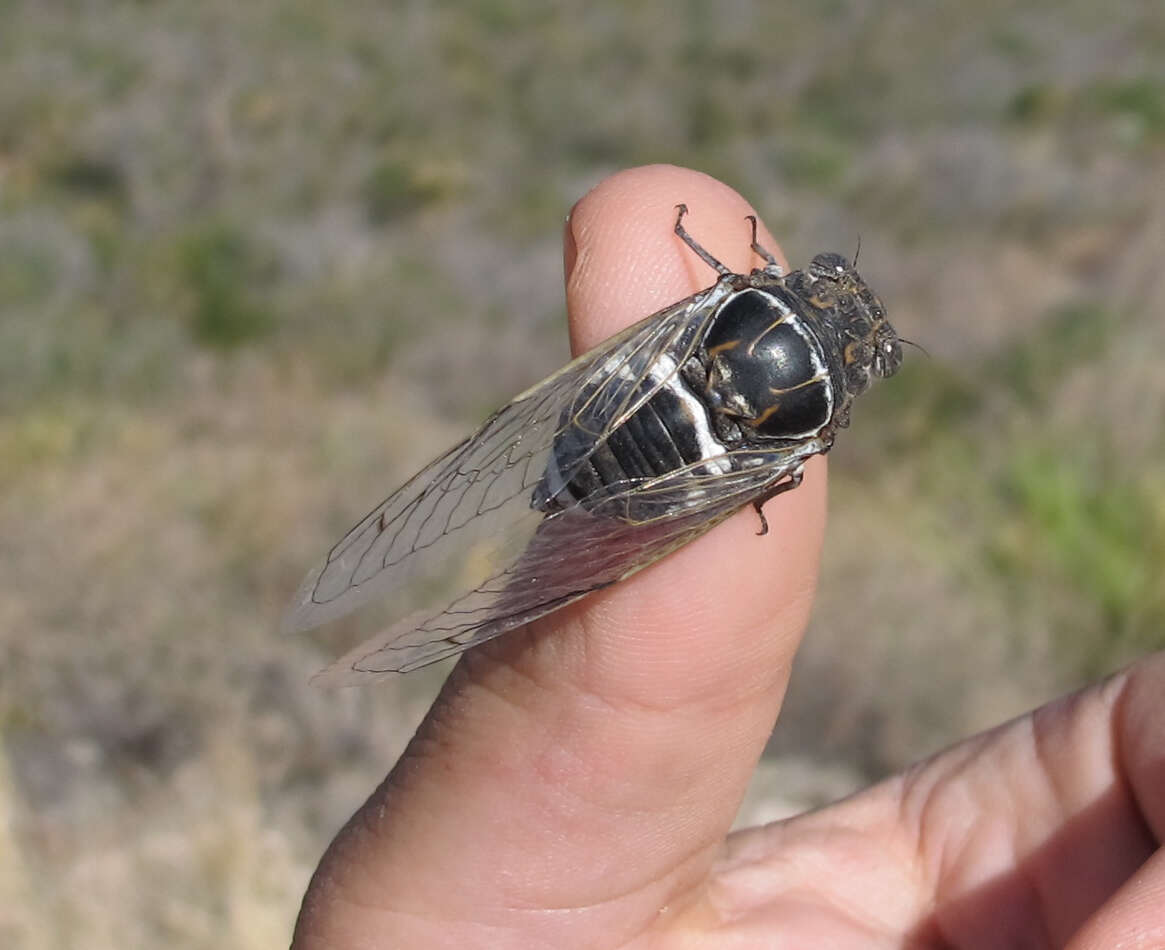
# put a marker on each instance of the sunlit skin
(574, 783)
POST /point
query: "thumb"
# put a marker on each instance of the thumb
(578, 776)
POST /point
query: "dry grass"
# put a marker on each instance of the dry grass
(241, 247)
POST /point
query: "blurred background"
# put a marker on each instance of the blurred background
(245, 247)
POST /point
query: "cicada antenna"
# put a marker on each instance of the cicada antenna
(918, 346)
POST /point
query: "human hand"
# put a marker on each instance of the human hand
(575, 781)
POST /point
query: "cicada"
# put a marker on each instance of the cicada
(627, 453)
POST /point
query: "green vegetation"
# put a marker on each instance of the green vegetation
(1034, 369)
(1138, 104)
(396, 188)
(227, 276)
(1094, 542)
(1127, 111)
(89, 178)
(1036, 103)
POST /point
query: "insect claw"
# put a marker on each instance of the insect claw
(762, 252)
(764, 522)
(780, 488)
(684, 236)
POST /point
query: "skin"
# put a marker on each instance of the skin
(574, 783)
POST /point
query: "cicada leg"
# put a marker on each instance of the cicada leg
(762, 252)
(684, 236)
(780, 488)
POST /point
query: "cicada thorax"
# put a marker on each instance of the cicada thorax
(766, 368)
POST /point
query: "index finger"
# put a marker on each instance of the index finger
(594, 760)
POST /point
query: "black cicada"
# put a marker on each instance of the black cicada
(627, 453)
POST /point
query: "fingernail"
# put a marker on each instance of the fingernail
(569, 245)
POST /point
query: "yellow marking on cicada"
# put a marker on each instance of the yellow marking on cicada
(723, 347)
(767, 330)
(763, 417)
(789, 389)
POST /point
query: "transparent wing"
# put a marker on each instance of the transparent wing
(460, 552)
(472, 504)
(570, 554)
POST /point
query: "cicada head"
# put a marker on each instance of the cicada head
(869, 345)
